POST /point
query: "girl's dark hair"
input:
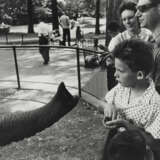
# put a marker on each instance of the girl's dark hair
(137, 54)
(127, 6)
(126, 145)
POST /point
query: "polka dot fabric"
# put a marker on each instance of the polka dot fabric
(144, 111)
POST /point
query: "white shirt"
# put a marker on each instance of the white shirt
(43, 29)
(64, 21)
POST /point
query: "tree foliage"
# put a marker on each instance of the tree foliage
(16, 11)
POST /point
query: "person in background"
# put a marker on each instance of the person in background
(44, 31)
(148, 13)
(64, 22)
(127, 12)
(77, 28)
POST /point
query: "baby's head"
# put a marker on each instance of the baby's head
(133, 61)
(126, 145)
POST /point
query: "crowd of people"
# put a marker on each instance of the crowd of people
(132, 107)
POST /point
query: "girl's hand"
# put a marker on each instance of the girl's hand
(110, 111)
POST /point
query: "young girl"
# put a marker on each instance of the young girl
(134, 98)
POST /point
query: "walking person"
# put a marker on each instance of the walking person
(65, 24)
(44, 32)
(148, 12)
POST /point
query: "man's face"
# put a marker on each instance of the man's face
(147, 13)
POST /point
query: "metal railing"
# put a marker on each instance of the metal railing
(77, 49)
(17, 38)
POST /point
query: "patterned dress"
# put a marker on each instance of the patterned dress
(144, 111)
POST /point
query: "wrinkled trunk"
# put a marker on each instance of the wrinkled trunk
(17, 126)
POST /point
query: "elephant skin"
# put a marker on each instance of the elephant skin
(20, 125)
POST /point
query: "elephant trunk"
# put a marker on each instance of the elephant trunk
(17, 126)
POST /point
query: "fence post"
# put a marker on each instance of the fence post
(16, 67)
(78, 72)
(6, 38)
(22, 38)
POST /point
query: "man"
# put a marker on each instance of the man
(44, 32)
(65, 24)
(148, 12)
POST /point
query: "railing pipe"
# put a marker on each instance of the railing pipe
(78, 72)
(22, 38)
(16, 67)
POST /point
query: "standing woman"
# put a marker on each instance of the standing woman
(44, 32)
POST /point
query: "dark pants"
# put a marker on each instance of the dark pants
(44, 51)
(66, 34)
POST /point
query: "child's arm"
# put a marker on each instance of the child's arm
(110, 111)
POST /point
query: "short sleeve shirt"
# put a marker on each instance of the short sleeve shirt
(65, 22)
(144, 111)
(43, 29)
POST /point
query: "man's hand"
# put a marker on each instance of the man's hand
(121, 123)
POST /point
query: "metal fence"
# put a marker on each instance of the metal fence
(18, 38)
(78, 52)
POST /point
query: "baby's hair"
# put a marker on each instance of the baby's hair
(137, 54)
(126, 145)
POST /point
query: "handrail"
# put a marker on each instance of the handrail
(77, 49)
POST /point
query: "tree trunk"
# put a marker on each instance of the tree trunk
(97, 29)
(107, 20)
(30, 16)
(55, 22)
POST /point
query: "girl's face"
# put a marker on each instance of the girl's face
(129, 20)
(124, 75)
